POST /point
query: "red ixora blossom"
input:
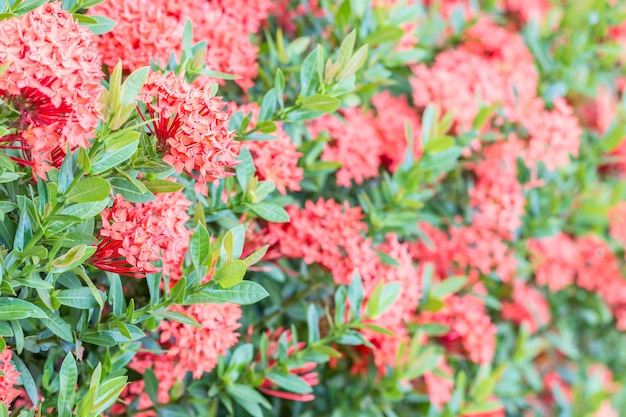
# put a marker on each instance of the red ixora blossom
(387, 347)
(185, 348)
(528, 306)
(135, 236)
(53, 82)
(553, 135)
(472, 334)
(497, 196)
(392, 116)
(191, 128)
(8, 378)
(197, 349)
(358, 150)
(328, 233)
(304, 371)
(152, 30)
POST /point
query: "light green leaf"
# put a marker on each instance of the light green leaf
(103, 25)
(231, 274)
(270, 212)
(89, 190)
(321, 102)
(68, 377)
(244, 293)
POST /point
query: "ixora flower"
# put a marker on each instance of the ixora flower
(152, 30)
(135, 236)
(53, 82)
(191, 128)
(328, 233)
(528, 306)
(8, 378)
(185, 349)
(358, 150)
(472, 334)
(143, 32)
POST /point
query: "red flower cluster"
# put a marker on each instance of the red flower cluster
(53, 81)
(191, 128)
(135, 236)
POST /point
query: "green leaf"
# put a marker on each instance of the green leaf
(176, 316)
(68, 378)
(24, 232)
(117, 151)
(355, 294)
(612, 138)
(270, 212)
(27, 6)
(244, 293)
(199, 247)
(321, 102)
(27, 379)
(256, 256)
(448, 286)
(17, 309)
(151, 384)
(103, 25)
(248, 398)
(85, 210)
(163, 186)
(57, 326)
(346, 48)
(355, 63)
(309, 79)
(290, 382)
(130, 191)
(89, 190)
(313, 319)
(268, 105)
(245, 170)
(381, 299)
(79, 298)
(108, 392)
(72, 258)
(231, 274)
(384, 34)
(133, 83)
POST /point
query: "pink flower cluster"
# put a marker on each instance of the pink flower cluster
(493, 66)
(470, 250)
(379, 141)
(588, 262)
(186, 349)
(358, 150)
(528, 306)
(332, 235)
(191, 128)
(8, 378)
(53, 81)
(135, 236)
(498, 196)
(393, 114)
(471, 334)
(153, 30)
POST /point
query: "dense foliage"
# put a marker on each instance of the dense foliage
(302, 208)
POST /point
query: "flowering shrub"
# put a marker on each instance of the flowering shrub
(267, 208)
